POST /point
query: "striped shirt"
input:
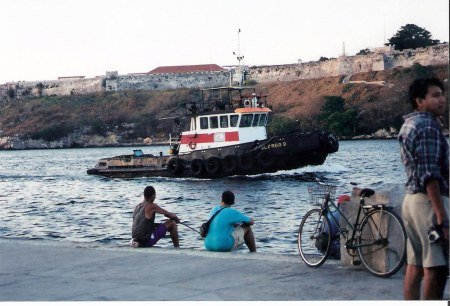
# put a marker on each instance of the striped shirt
(424, 152)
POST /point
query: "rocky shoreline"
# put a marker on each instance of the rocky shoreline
(74, 141)
(112, 140)
(380, 134)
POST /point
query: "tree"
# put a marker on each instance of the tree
(11, 93)
(422, 71)
(53, 132)
(336, 118)
(411, 36)
(342, 123)
(282, 125)
(40, 89)
(26, 92)
(364, 52)
(332, 104)
(323, 59)
(98, 128)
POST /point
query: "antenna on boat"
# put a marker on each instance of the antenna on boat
(239, 58)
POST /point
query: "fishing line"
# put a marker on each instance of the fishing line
(190, 227)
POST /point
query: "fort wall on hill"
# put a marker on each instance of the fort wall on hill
(380, 59)
(377, 60)
(163, 81)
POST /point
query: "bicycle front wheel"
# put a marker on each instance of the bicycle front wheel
(313, 241)
(382, 242)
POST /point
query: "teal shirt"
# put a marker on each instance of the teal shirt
(219, 236)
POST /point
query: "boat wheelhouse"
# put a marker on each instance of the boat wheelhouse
(216, 130)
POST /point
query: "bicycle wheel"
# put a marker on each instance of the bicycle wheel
(382, 242)
(313, 242)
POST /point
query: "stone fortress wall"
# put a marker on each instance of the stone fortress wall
(112, 81)
(379, 59)
(163, 81)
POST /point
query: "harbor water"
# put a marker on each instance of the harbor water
(46, 194)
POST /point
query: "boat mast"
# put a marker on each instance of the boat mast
(240, 76)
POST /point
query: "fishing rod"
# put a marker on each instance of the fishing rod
(179, 222)
(190, 227)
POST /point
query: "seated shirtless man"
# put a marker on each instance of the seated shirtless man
(145, 232)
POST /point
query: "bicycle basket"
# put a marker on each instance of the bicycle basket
(319, 192)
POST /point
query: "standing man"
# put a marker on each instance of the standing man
(145, 232)
(424, 151)
(230, 228)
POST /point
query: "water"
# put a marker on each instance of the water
(46, 194)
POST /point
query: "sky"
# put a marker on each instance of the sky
(47, 39)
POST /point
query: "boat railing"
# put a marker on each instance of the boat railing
(221, 99)
(199, 107)
(195, 108)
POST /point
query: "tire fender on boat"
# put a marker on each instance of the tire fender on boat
(175, 165)
(213, 165)
(265, 159)
(196, 167)
(229, 163)
(330, 142)
(246, 161)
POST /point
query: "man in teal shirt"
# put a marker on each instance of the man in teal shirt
(230, 228)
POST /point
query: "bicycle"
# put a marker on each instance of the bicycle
(372, 237)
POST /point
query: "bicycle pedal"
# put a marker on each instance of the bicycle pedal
(356, 262)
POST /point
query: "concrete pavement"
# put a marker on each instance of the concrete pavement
(36, 270)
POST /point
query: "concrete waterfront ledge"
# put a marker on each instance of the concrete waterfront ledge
(37, 270)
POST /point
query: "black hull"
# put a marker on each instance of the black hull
(283, 152)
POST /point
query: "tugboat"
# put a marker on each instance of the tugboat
(227, 136)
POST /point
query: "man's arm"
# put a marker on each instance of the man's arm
(251, 221)
(434, 194)
(240, 217)
(429, 169)
(154, 208)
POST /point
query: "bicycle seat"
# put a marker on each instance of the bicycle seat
(367, 192)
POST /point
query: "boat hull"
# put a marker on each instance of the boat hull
(283, 152)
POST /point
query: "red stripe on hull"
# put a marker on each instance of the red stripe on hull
(232, 136)
(208, 138)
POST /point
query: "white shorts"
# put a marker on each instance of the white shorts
(418, 216)
(238, 235)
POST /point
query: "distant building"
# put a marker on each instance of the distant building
(187, 69)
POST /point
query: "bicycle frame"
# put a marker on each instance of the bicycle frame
(354, 227)
(375, 231)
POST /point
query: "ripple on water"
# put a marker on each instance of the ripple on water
(47, 195)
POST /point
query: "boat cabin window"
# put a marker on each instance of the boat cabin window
(204, 123)
(256, 119)
(263, 120)
(213, 122)
(246, 120)
(224, 121)
(234, 120)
